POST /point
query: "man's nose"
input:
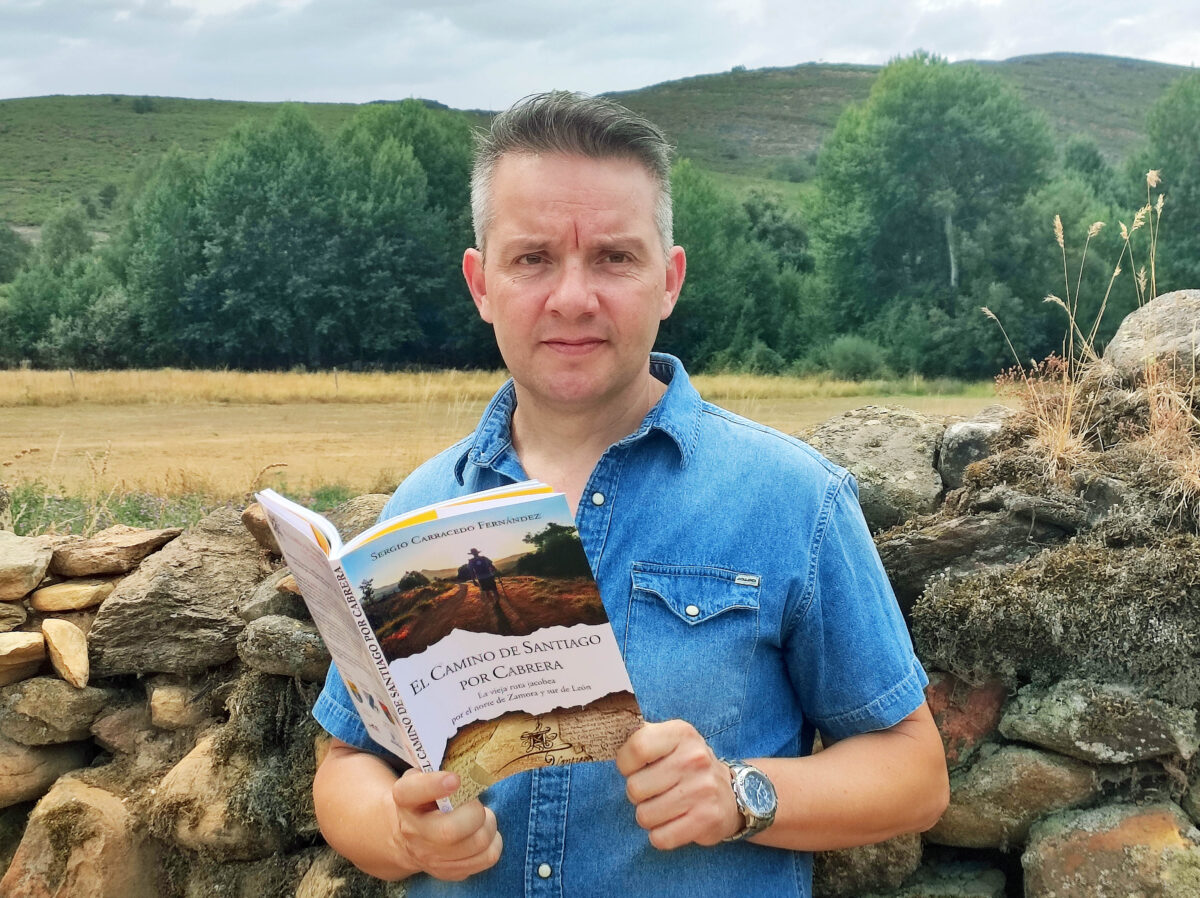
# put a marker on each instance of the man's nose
(574, 292)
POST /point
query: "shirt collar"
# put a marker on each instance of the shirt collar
(676, 414)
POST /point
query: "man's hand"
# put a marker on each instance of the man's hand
(449, 846)
(681, 790)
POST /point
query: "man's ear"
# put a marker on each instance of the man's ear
(472, 267)
(676, 269)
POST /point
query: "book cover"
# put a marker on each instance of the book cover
(480, 643)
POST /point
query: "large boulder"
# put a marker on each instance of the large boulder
(285, 647)
(26, 772)
(892, 453)
(82, 842)
(47, 711)
(996, 800)
(191, 807)
(24, 561)
(1117, 851)
(1165, 330)
(177, 613)
(1123, 614)
(1099, 722)
(942, 546)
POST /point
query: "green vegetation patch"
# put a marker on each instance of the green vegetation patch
(1126, 614)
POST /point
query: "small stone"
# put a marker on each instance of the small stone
(1116, 851)
(1103, 723)
(176, 706)
(117, 550)
(965, 442)
(271, 596)
(71, 595)
(12, 615)
(21, 656)
(952, 879)
(23, 563)
(965, 715)
(68, 651)
(254, 518)
(849, 872)
(995, 801)
(285, 647)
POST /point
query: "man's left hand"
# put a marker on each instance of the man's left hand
(682, 792)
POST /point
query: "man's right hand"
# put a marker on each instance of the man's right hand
(450, 846)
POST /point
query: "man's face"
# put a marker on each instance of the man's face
(574, 279)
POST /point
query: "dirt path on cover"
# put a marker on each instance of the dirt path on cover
(524, 605)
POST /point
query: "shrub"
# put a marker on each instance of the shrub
(851, 357)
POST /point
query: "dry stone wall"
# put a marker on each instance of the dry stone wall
(155, 686)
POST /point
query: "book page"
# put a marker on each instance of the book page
(325, 595)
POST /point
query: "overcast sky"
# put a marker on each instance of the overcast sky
(487, 53)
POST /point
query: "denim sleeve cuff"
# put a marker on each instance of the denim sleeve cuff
(883, 712)
(342, 723)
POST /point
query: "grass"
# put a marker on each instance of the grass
(1062, 393)
(158, 448)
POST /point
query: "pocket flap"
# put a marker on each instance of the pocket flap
(696, 593)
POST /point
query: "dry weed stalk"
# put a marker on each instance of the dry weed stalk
(1056, 392)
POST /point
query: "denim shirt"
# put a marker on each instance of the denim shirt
(748, 599)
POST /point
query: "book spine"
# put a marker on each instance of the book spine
(408, 729)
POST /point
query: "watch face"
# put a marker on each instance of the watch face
(759, 793)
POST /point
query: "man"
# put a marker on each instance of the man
(733, 562)
(484, 573)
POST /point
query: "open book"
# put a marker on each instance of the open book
(470, 634)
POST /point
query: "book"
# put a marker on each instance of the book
(470, 634)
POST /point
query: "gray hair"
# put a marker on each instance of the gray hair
(572, 124)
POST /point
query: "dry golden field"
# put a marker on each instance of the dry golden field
(222, 434)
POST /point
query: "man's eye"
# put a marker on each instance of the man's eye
(617, 258)
(530, 259)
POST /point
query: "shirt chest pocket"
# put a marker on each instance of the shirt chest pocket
(689, 642)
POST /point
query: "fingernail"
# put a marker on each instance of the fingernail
(450, 782)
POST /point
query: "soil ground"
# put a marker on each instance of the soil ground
(220, 449)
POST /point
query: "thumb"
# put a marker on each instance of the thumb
(415, 789)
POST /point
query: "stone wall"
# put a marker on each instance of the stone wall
(155, 686)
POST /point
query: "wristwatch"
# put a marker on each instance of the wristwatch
(755, 797)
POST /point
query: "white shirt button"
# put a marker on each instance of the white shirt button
(597, 498)
(691, 611)
(544, 871)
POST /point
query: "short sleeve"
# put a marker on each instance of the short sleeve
(849, 652)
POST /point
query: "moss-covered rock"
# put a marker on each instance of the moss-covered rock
(1117, 614)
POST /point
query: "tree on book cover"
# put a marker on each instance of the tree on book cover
(494, 635)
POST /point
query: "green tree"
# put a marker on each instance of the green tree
(911, 175)
(744, 305)
(557, 553)
(13, 253)
(1173, 127)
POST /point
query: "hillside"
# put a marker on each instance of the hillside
(759, 123)
(752, 122)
